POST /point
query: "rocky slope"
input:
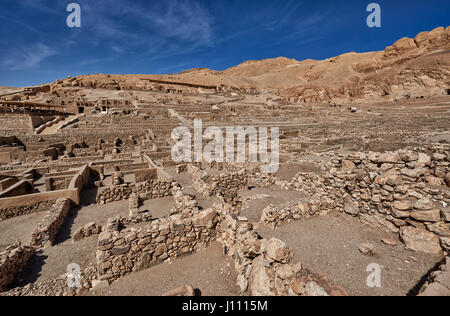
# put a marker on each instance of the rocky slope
(410, 68)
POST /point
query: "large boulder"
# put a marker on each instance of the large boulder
(405, 44)
(276, 250)
(261, 282)
(436, 35)
(208, 219)
(421, 39)
(420, 240)
(426, 216)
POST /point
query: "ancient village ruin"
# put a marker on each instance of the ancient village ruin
(87, 178)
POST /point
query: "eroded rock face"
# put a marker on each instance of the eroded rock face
(420, 240)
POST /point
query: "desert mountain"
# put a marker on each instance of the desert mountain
(409, 68)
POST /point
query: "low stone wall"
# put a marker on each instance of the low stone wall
(146, 190)
(121, 252)
(45, 233)
(86, 231)
(25, 209)
(296, 210)
(12, 261)
(264, 266)
(225, 184)
(404, 192)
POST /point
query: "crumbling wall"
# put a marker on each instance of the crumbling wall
(264, 266)
(121, 252)
(146, 190)
(405, 192)
(45, 233)
(25, 209)
(225, 184)
(12, 261)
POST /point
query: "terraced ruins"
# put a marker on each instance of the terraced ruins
(87, 180)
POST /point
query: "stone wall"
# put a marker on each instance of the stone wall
(57, 183)
(146, 190)
(123, 251)
(225, 184)
(12, 261)
(264, 266)
(25, 209)
(45, 233)
(289, 211)
(404, 192)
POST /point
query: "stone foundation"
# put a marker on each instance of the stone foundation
(123, 251)
(45, 233)
(147, 190)
(12, 261)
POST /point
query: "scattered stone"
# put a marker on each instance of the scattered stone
(367, 249)
(389, 242)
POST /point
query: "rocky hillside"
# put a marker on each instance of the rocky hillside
(410, 68)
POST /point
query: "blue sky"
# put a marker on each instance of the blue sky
(168, 36)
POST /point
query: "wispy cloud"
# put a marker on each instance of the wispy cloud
(28, 57)
(155, 28)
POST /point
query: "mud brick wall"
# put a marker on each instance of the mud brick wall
(6, 183)
(25, 209)
(45, 233)
(143, 175)
(147, 190)
(6, 157)
(58, 183)
(130, 250)
(12, 261)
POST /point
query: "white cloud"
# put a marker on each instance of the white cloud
(28, 57)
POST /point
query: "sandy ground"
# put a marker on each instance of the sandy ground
(52, 262)
(19, 229)
(209, 271)
(287, 171)
(276, 196)
(329, 245)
